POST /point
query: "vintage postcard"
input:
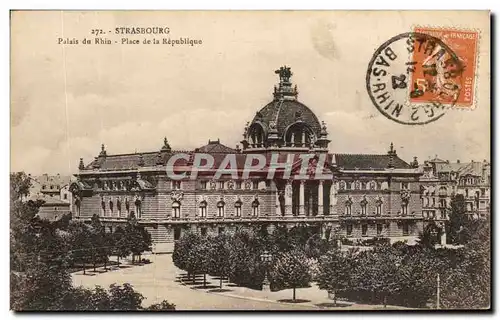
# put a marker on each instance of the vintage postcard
(250, 160)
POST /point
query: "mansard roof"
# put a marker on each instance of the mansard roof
(369, 161)
(469, 168)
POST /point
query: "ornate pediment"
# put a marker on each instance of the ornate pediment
(177, 195)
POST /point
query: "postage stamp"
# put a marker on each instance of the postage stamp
(464, 45)
(413, 78)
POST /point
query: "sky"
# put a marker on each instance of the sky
(67, 99)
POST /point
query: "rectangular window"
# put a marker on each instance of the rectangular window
(221, 185)
(406, 230)
(404, 185)
(177, 233)
(483, 192)
(348, 185)
(176, 185)
(255, 185)
(349, 229)
(238, 185)
(203, 212)
(221, 211)
(203, 185)
(364, 230)
(203, 232)
(404, 209)
(379, 229)
(442, 203)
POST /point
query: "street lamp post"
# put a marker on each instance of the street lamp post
(438, 291)
(266, 258)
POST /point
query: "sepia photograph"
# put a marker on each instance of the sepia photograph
(250, 160)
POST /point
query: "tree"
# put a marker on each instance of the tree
(376, 272)
(20, 185)
(245, 264)
(121, 244)
(219, 256)
(199, 258)
(138, 239)
(162, 306)
(290, 270)
(80, 242)
(428, 238)
(457, 219)
(182, 251)
(335, 268)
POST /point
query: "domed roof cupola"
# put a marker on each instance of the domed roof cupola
(285, 123)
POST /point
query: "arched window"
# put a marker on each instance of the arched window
(373, 185)
(77, 207)
(256, 135)
(127, 206)
(255, 208)
(118, 207)
(299, 135)
(110, 207)
(357, 185)
(203, 209)
(404, 208)
(220, 209)
(103, 208)
(176, 209)
(237, 208)
(363, 185)
(363, 204)
(348, 207)
(378, 207)
(138, 208)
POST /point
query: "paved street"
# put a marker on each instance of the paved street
(160, 280)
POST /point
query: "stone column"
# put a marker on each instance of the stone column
(333, 198)
(288, 198)
(301, 198)
(320, 198)
(303, 138)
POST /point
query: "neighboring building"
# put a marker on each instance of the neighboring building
(471, 179)
(366, 195)
(48, 185)
(52, 208)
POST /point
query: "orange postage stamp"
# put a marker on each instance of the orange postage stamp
(455, 86)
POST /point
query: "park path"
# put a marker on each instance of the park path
(161, 280)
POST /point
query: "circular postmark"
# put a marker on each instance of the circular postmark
(413, 78)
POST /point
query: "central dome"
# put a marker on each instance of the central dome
(285, 122)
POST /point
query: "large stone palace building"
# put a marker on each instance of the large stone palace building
(356, 195)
